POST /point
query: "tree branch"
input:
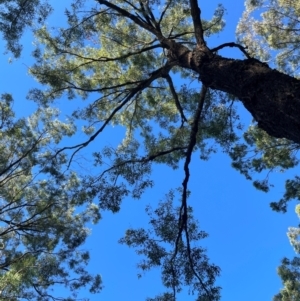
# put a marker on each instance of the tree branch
(10, 166)
(143, 160)
(161, 72)
(130, 16)
(232, 44)
(107, 59)
(164, 11)
(176, 99)
(195, 13)
(183, 213)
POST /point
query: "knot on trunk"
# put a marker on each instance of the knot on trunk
(200, 56)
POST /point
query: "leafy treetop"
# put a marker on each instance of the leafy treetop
(123, 59)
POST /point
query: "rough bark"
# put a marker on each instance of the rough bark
(273, 98)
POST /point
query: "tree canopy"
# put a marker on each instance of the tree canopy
(124, 60)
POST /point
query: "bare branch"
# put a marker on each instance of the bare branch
(176, 99)
(195, 13)
(183, 218)
(145, 13)
(149, 15)
(181, 34)
(193, 140)
(130, 16)
(232, 44)
(164, 11)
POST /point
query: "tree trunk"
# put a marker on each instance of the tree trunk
(273, 98)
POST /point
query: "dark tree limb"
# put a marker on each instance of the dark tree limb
(164, 11)
(128, 15)
(195, 13)
(176, 99)
(184, 208)
(232, 44)
(183, 214)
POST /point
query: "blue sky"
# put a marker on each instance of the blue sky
(246, 239)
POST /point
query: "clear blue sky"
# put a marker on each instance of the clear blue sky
(246, 239)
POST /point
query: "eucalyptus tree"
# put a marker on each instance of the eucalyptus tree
(122, 57)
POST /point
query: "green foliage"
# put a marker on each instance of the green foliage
(182, 266)
(289, 270)
(261, 153)
(113, 56)
(276, 31)
(16, 15)
(110, 58)
(40, 230)
(290, 275)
